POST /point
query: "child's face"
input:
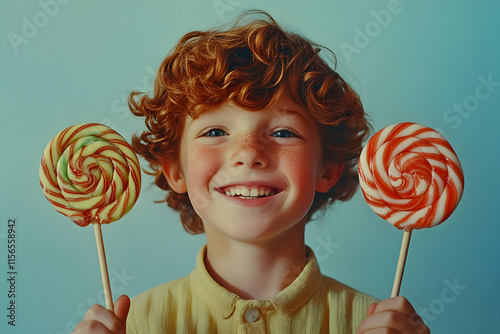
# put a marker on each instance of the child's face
(251, 175)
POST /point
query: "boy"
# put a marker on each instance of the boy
(250, 133)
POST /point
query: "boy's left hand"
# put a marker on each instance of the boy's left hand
(394, 315)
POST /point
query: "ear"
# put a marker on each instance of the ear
(174, 176)
(329, 177)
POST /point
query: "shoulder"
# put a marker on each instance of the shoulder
(145, 307)
(345, 304)
(162, 292)
(342, 292)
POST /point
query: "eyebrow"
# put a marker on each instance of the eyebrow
(293, 112)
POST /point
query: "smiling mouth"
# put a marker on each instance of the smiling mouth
(248, 192)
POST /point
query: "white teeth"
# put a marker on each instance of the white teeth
(248, 192)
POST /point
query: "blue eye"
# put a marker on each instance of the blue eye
(215, 133)
(283, 134)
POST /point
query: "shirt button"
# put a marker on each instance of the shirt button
(251, 314)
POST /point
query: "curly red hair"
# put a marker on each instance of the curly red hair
(252, 64)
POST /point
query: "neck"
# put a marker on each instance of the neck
(256, 270)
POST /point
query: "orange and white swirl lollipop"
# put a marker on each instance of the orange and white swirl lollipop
(90, 174)
(410, 176)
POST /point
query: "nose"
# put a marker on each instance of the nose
(250, 151)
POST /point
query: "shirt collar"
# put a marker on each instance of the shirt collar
(286, 301)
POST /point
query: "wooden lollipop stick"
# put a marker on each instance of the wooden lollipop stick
(104, 267)
(401, 263)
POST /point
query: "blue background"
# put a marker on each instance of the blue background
(80, 59)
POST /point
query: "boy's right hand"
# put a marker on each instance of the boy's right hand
(100, 320)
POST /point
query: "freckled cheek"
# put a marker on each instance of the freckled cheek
(295, 157)
(202, 164)
(300, 165)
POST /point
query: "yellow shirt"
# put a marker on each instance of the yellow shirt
(312, 303)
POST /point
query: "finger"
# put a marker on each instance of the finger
(371, 309)
(390, 320)
(418, 324)
(91, 326)
(122, 306)
(402, 305)
(381, 331)
(399, 304)
(105, 317)
(384, 320)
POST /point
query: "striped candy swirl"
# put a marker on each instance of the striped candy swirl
(410, 176)
(89, 173)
